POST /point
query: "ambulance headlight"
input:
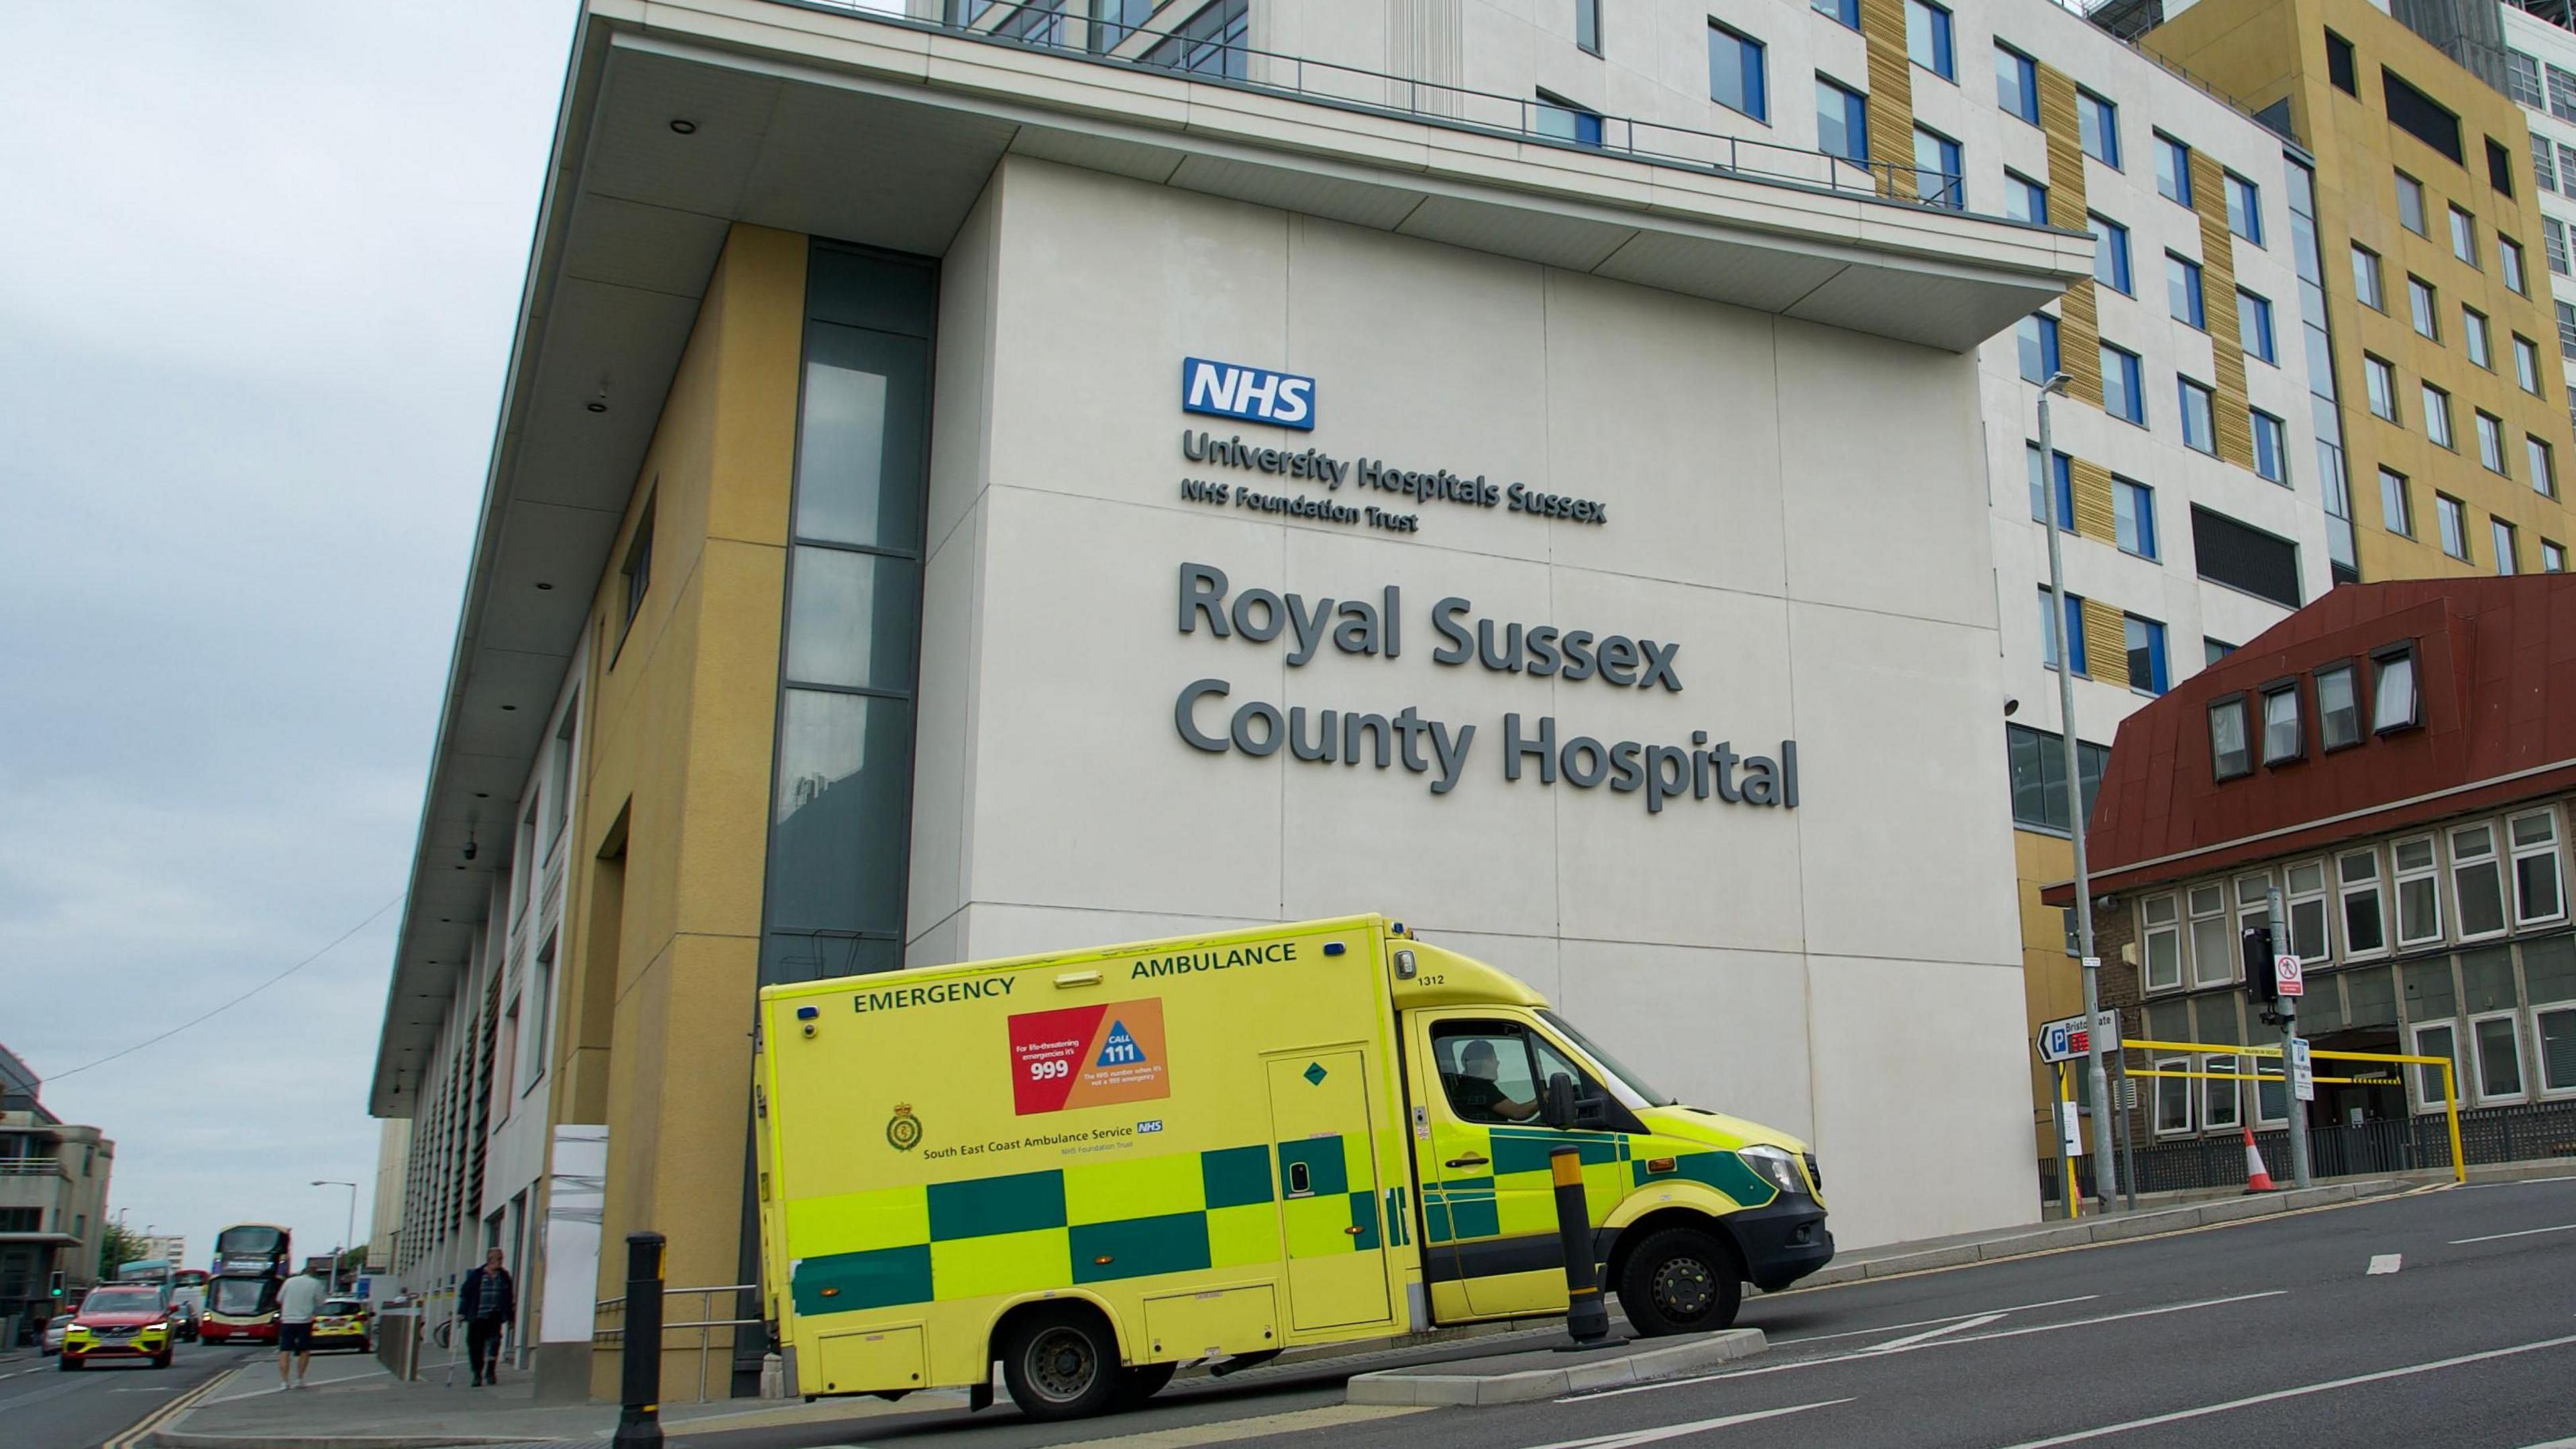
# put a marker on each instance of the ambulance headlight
(1776, 1166)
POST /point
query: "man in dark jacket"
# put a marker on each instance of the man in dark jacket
(487, 1300)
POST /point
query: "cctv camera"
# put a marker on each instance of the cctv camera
(2010, 704)
(469, 850)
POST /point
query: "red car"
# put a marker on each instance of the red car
(119, 1320)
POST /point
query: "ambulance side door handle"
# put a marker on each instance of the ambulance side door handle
(1470, 1160)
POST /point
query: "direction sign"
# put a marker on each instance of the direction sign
(2064, 1039)
(2303, 1073)
(2286, 980)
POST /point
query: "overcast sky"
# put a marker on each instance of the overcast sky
(256, 283)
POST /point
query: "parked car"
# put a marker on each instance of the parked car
(51, 1342)
(121, 1320)
(342, 1323)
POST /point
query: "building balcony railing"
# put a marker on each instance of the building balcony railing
(1221, 58)
(32, 1167)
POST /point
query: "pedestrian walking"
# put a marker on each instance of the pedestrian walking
(488, 1300)
(298, 1300)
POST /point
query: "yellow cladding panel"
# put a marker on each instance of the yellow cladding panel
(2058, 123)
(1246, 1234)
(1107, 1192)
(2233, 424)
(1028, 1262)
(1891, 92)
(2091, 484)
(2079, 343)
(860, 1221)
(2106, 644)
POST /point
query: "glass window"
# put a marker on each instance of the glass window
(2365, 278)
(2365, 927)
(2098, 122)
(2491, 442)
(2133, 517)
(1557, 118)
(2436, 1039)
(2245, 208)
(2074, 631)
(1940, 170)
(2016, 84)
(2037, 337)
(2183, 296)
(2455, 526)
(2254, 327)
(2227, 745)
(2499, 1044)
(2037, 761)
(2213, 945)
(2544, 167)
(2473, 336)
(2396, 509)
(2509, 255)
(2522, 79)
(2338, 707)
(2339, 64)
(2553, 244)
(854, 617)
(2419, 893)
(636, 574)
(1927, 38)
(2421, 305)
(2567, 327)
(2394, 700)
(2437, 415)
(1846, 11)
(2196, 428)
(2410, 204)
(2110, 252)
(2173, 1098)
(2306, 889)
(2464, 236)
(2065, 488)
(2543, 468)
(2173, 169)
(2553, 557)
(2025, 199)
(2220, 1103)
(1485, 1071)
(2557, 1049)
(2159, 920)
(837, 864)
(2122, 396)
(1213, 42)
(1737, 78)
(2538, 890)
(858, 464)
(1587, 25)
(2566, 165)
(2146, 654)
(2501, 535)
(2213, 650)
(2380, 381)
(2283, 739)
(2526, 364)
(2270, 457)
(1842, 120)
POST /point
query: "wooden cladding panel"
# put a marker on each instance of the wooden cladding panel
(2079, 343)
(2079, 328)
(1891, 94)
(2091, 484)
(2228, 410)
(2106, 644)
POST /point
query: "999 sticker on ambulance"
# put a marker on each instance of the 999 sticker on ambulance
(1088, 1056)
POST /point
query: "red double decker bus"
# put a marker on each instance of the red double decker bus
(241, 1297)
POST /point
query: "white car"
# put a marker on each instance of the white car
(53, 1339)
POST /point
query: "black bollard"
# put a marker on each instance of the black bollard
(639, 1422)
(1586, 1317)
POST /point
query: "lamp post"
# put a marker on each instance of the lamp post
(352, 1232)
(2105, 1169)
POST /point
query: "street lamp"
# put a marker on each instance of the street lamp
(345, 1240)
(2105, 1171)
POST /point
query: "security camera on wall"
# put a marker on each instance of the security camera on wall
(2011, 704)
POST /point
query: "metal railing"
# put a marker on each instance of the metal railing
(1052, 27)
(608, 1324)
(32, 1167)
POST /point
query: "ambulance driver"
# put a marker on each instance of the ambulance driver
(1476, 1095)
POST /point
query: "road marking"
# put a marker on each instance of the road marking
(2554, 1443)
(146, 1390)
(1841, 1358)
(2384, 1263)
(1323, 1417)
(1927, 1322)
(1899, 1345)
(2525, 1233)
(142, 1432)
(1629, 1438)
(2304, 1389)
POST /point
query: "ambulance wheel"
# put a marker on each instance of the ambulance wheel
(1143, 1382)
(1062, 1364)
(1681, 1280)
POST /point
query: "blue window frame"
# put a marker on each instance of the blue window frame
(2182, 292)
(1927, 39)
(1940, 170)
(1845, 11)
(2254, 327)
(2025, 199)
(2133, 517)
(2074, 631)
(1587, 25)
(2271, 458)
(2198, 431)
(2245, 208)
(2099, 122)
(2016, 83)
(1736, 78)
(2037, 336)
(2110, 253)
(2146, 654)
(2173, 169)
(1842, 122)
(2065, 470)
(2122, 395)
(1556, 117)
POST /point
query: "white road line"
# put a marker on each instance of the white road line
(2554, 1443)
(1928, 1322)
(2384, 1263)
(1899, 1345)
(1857, 1354)
(2304, 1389)
(2525, 1233)
(1629, 1438)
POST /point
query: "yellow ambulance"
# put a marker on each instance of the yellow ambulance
(1096, 1166)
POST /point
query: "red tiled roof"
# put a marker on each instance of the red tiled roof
(2496, 669)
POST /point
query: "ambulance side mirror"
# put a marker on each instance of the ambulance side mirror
(1560, 1102)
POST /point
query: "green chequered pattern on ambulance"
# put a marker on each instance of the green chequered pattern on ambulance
(1094, 1223)
(1519, 1198)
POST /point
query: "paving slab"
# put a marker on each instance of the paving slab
(1547, 1373)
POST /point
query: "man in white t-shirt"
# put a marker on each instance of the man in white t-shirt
(297, 1301)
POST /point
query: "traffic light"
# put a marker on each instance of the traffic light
(54, 1286)
(2259, 985)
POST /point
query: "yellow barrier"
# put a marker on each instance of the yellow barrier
(2450, 1086)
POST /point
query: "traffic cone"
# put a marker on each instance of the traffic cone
(2257, 1179)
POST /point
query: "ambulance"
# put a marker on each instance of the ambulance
(1097, 1166)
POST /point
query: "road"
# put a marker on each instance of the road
(2446, 1317)
(45, 1408)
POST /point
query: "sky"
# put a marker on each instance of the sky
(257, 282)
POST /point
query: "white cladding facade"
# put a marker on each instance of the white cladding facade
(2540, 74)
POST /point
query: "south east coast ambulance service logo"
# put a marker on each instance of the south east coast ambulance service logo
(903, 1130)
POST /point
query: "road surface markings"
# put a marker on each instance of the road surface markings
(2277, 1395)
(160, 1389)
(1928, 1322)
(2554, 1443)
(1841, 1358)
(1899, 1345)
(2384, 1263)
(1323, 1417)
(142, 1433)
(1629, 1438)
(2525, 1233)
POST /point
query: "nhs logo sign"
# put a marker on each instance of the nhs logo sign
(1254, 394)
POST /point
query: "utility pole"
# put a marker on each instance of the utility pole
(2286, 1008)
(2105, 1164)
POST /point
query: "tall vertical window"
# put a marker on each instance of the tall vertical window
(2395, 703)
(839, 823)
(2567, 336)
(2504, 538)
(2410, 204)
(2566, 168)
(2396, 507)
(2365, 279)
(1845, 11)
(2146, 639)
(2159, 920)
(2306, 889)
(2110, 252)
(2455, 525)
(1940, 170)
(2379, 381)
(2254, 327)
(2553, 557)
(2025, 199)
(2365, 920)
(2173, 169)
(2542, 467)
(2098, 126)
(2245, 208)
(2122, 395)
(2338, 708)
(2183, 295)
(2284, 735)
(2539, 891)
(2197, 432)
(2477, 882)
(2475, 339)
(1587, 25)
(2464, 236)
(2016, 83)
(2437, 415)
(2553, 244)
(1737, 79)
(2230, 752)
(2490, 441)
(2544, 166)
(2074, 626)
(2339, 64)
(1842, 121)
(2526, 364)
(636, 575)
(2509, 259)
(2522, 80)
(2562, 94)
(2037, 336)
(2133, 517)
(2065, 471)
(2271, 457)
(2419, 892)
(2421, 307)
(1927, 38)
